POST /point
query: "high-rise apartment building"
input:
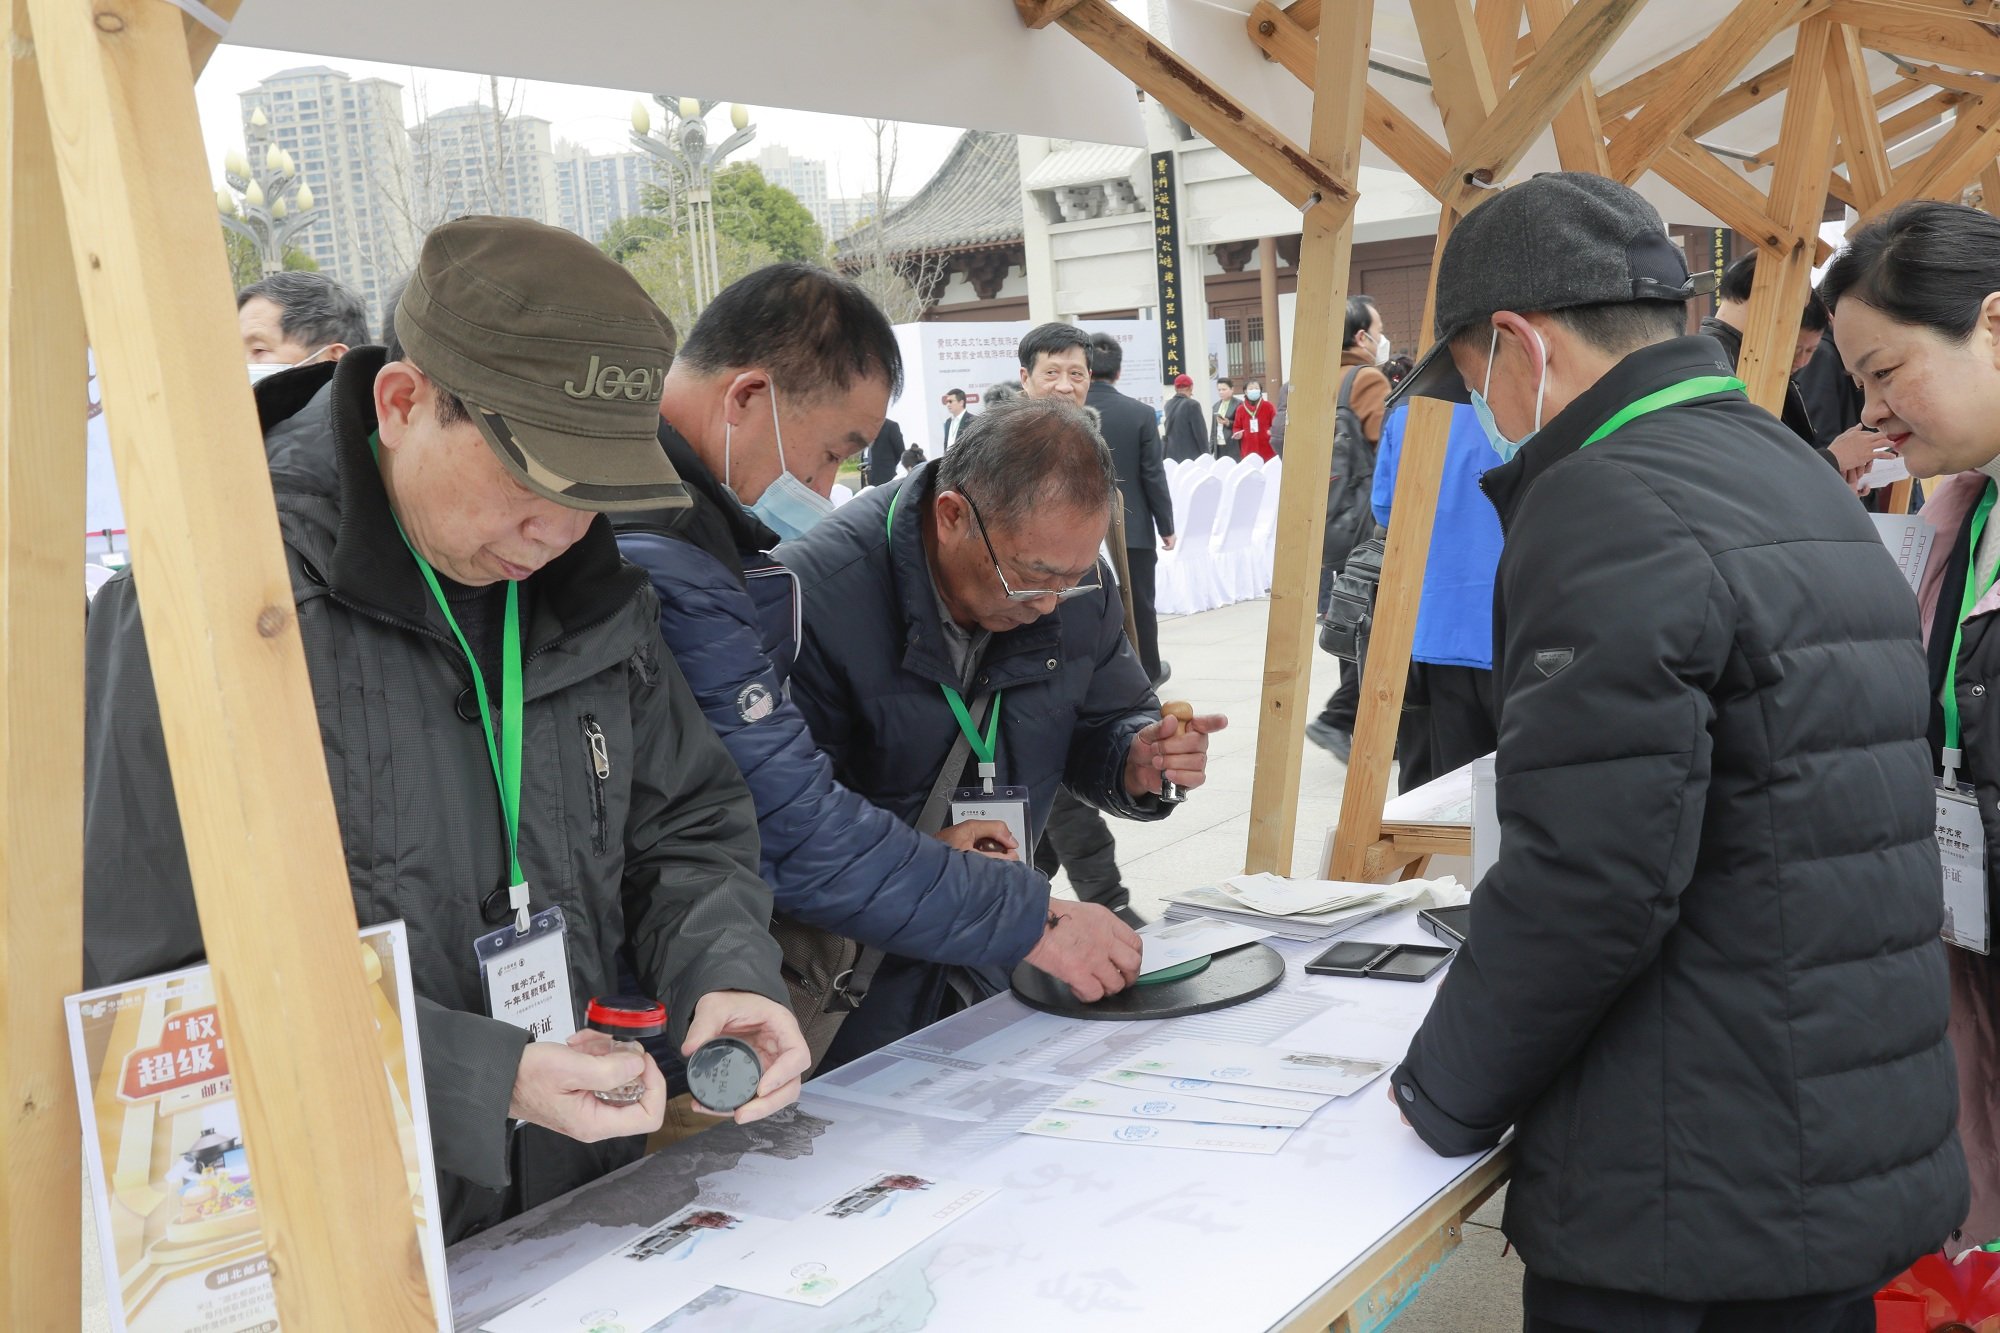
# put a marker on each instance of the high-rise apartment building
(347, 137)
(844, 215)
(805, 177)
(594, 190)
(471, 159)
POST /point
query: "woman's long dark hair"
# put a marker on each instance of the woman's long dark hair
(1923, 263)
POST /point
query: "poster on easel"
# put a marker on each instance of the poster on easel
(179, 1234)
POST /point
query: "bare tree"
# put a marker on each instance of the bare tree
(898, 281)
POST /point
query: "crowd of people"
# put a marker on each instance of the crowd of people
(586, 632)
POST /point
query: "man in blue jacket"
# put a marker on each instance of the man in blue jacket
(1447, 717)
(787, 374)
(972, 588)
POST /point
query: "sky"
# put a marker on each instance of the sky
(598, 118)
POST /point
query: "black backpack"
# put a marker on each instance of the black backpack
(1350, 515)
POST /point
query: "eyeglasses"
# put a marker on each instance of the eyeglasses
(1060, 594)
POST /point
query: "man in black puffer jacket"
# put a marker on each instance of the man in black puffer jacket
(1704, 981)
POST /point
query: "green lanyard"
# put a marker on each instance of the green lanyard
(1974, 590)
(505, 751)
(1699, 387)
(983, 747)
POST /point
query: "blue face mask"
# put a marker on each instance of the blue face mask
(788, 506)
(1483, 410)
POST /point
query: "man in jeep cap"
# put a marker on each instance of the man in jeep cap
(440, 504)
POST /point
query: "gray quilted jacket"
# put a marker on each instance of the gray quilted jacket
(655, 861)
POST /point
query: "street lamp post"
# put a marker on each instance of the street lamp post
(689, 161)
(255, 206)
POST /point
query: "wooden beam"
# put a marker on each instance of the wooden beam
(1305, 13)
(1635, 92)
(1837, 185)
(1989, 188)
(1701, 176)
(1720, 57)
(1419, 474)
(1213, 113)
(1975, 11)
(42, 397)
(1401, 139)
(1854, 115)
(1495, 147)
(1499, 23)
(1340, 81)
(241, 733)
(202, 39)
(1579, 134)
(1798, 200)
(1041, 13)
(1976, 85)
(1951, 163)
(1461, 85)
(1949, 40)
(1753, 91)
(1894, 130)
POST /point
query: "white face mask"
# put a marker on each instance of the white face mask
(1384, 349)
(263, 370)
(1254, 394)
(788, 506)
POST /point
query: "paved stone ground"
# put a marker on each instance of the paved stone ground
(1217, 659)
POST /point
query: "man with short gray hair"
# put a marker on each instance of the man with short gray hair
(967, 601)
(290, 319)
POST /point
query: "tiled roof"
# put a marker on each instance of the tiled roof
(973, 200)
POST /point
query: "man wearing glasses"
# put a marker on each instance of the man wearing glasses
(958, 628)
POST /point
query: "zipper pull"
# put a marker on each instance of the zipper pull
(600, 752)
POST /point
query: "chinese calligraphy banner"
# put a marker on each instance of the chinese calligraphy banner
(1167, 265)
(171, 1180)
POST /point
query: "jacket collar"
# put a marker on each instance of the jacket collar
(1009, 655)
(1730, 338)
(718, 522)
(372, 567)
(1645, 371)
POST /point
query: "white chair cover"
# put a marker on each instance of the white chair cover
(1235, 557)
(1264, 536)
(1254, 461)
(1186, 578)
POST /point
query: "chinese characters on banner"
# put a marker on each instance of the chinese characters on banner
(1167, 263)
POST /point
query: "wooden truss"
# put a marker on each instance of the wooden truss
(1498, 89)
(110, 230)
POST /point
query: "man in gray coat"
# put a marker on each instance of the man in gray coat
(504, 731)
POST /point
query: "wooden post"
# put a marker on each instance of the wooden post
(1854, 115)
(1267, 300)
(1340, 85)
(269, 872)
(1798, 198)
(42, 400)
(1578, 132)
(1419, 474)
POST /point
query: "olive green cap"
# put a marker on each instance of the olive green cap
(557, 352)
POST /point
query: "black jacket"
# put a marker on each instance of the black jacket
(885, 455)
(1187, 429)
(654, 852)
(1704, 981)
(1795, 416)
(874, 656)
(1133, 433)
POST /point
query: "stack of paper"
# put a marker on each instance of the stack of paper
(1165, 944)
(1304, 909)
(1214, 1096)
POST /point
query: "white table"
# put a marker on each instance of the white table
(1334, 1230)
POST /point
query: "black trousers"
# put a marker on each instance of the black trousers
(1447, 721)
(1077, 839)
(1144, 563)
(1557, 1307)
(1342, 703)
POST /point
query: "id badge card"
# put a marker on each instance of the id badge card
(1009, 805)
(1961, 840)
(527, 976)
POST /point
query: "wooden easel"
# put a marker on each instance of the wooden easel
(110, 225)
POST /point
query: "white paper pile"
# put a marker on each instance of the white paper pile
(1207, 1095)
(1306, 909)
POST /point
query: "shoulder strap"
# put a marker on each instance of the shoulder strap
(1347, 387)
(852, 989)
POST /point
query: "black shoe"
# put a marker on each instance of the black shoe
(1330, 738)
(1129, 917)
(1166, 674)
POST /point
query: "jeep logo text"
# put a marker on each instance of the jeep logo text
(602, 381)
